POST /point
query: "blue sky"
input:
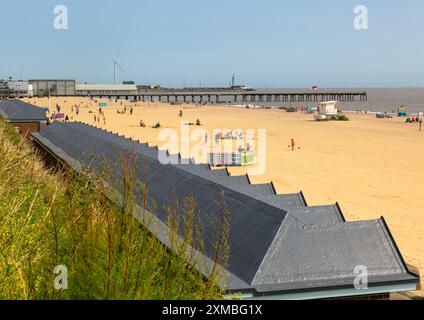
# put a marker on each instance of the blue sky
(266, 43)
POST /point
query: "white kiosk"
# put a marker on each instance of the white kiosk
(325, 109)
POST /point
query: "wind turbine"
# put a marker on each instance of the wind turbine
(116, 64)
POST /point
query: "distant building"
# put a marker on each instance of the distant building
(149, 86)
(24, 117)
(20, 88)
(52, 87)
(108, 90)
(328, 108)
(4, 90)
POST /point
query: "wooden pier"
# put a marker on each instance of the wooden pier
(224, 96)
(250, 97)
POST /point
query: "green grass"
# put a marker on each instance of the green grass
(57, 217)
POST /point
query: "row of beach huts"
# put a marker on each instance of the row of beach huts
(279, 246)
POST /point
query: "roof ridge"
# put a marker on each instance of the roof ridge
(393, 244)
(285, 221)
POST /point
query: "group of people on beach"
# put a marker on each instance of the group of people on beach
(242, 150)
(156, 126)
(228, 136)
(76, 108)
(414, 120)
(97, 118)
(131, 109)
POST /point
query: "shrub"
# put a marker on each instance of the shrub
(51, 217)
(339, 117)
(342, 117)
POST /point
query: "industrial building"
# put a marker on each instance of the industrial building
(279, 247)
(25, 118)
(52, 88)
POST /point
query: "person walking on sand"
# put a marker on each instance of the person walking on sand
(206, 138)
(181, 114)
(131, 111)
(293, 144)
(218, 137)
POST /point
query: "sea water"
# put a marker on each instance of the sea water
(379, 100)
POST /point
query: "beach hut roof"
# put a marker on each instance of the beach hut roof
(274, 248)
(18, 111)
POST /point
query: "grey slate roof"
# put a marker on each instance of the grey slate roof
(242, 184)
(18, 111)
(335, 248)
(276, 242)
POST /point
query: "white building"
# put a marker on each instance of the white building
(106, 89)
(328, 108)
(19, 88)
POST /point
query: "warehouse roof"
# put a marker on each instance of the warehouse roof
(18, 111)
(51, 80)
(274, 246)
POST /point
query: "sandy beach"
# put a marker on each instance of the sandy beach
(372, 167)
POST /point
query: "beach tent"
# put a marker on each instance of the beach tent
(58, 116)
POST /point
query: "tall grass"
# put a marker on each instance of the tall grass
(58, 217)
